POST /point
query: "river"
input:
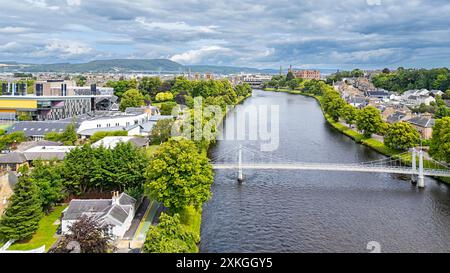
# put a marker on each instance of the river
(315, 211)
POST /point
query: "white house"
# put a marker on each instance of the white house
(117, 213)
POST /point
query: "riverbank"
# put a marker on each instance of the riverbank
(191, 217)
(359, 138)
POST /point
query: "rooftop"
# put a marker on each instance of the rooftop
(112, 141)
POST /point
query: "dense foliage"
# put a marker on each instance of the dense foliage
(68, 137)
(11, 140)
(21, 218)
(178, 175)
(97, 169)
(401, 136)
(164, 96)
(162, 131)
(121, 86)
(131, 98)
(170, 236)
(406, 79)
(47, 176)
(369, 121)
(440, 142)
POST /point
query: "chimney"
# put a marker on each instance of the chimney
(115, 198)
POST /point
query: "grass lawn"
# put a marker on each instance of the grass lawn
(152, 149)
(45, 234)
(192, 219)
(4, 126)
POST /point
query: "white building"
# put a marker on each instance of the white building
(117, 213)
(130, 122)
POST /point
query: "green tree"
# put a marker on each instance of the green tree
(178, 175)
(11, 140)
(182, 85)
(131, 98)
(150, 85)
(47, 177)
(121, 86)
(162, 131)
(290, 76)
(21, 218)
(349, 113)
(68, 137)
(369, 121)
(170, 236)
(164, 96)
(333, 104)
(401, 136)
(442, 111)
(167, 107)
(440, 142)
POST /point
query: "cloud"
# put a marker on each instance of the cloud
(270, 33)
(64, 49)
(198, 55)
(12, 30)
(73, 2)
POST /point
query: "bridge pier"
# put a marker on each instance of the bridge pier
(414, 168)
(421, 179)
(240, 171)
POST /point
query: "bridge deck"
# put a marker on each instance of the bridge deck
(331, 167)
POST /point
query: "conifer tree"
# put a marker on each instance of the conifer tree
(21, 217)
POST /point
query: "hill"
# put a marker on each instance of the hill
(126, 65)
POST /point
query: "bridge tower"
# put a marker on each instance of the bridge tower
(240, 172)
(414, 168)
(421, 179)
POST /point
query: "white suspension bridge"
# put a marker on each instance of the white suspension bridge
(394, 165)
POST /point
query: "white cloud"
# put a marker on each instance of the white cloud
(174, 26)
(64, 49)
(373, 2)
(73, 2)
(197, 55)
(12, 30)
(42, 4)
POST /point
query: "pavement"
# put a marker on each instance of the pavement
(129, 234)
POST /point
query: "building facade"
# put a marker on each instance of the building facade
(307, 74)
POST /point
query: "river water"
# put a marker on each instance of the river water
(316, 211)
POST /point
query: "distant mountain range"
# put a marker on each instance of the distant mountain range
(127, 65)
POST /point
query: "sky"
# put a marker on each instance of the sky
(263, 34)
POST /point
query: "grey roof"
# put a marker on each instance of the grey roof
(422, 121)
(397, 116)
(104, 210)
(147, 127)
(78, 207)
(139, 141)
(30, 156)
(125, 199)
(30, 144)
(160, 117)
(38, 128)
(134, 110)
(13, 158)
(118, 213)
